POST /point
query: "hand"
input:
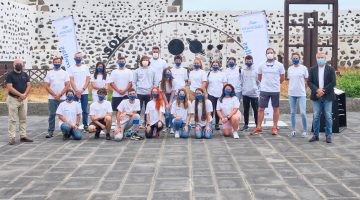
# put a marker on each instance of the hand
(160, 123)
(57, 97)
(207, 128)
(178, 118)
(148, 128)
(78, 93)
(121, 92)
(102, 127)
(320, 92)
(224, 120)
(197, 128)
(186, 128)
(168, 106)
(74, 126)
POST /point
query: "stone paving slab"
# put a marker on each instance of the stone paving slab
(253, 167)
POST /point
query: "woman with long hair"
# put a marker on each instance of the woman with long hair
(228, 111)
(155, 110)
(168, 95)
(202, 108)
(180, 109)
(98, 80)
(197, 78)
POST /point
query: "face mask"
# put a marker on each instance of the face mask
(270, 56)
(182, 96)
(227, 92)
(320, 61)
(145, 63)
(231, 65)
(167, 75)
(57, 66)
(155, 95)
(132, 97)
(77, 60)
(177, 64)
(69, 98)
(199, 97)
(18, 67)
(196, 66)
(121, 65)
(248, 64)
(155, 55)
(296, 61)
(216, 68)
(101, 98)
(100, 70)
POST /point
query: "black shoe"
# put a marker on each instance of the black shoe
(244, 128)
(49, 135)
(217, 127)
(108, 136)
(328, 139)
(66, 136)
(97, 135)
(86, 127)
(314, 138)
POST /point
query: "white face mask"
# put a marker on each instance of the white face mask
(270, 56)
(155, 55)
(145, 63)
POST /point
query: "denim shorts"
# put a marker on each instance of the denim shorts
(266, 96)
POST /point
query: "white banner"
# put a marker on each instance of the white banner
(65, 30)
(255, 37)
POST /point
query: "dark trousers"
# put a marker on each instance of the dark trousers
(84, 106)
(115, 102)
(254, 104)
(214, 103)
(152, 128)
(144, 99)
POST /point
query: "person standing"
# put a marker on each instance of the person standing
(57, 81)
(180, 74)
(80, 80)
(322, 80)
(197, 78)
(18, 86)
(298, 75)
(167, 86)
(233, 76)
(157, 64)
(250, 91)
(99, 80)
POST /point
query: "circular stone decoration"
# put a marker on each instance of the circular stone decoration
(176, 47)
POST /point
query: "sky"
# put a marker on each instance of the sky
(234, 5)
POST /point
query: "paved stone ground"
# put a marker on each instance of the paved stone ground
(253, 167)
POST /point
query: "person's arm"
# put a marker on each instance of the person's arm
(118, 119)
(259, 77)
(94, 86)
(86, 84)
(67, 86)
(72, 83)
(62, 118)
(126, 89)
(282, 78)
(330, 86)
(172, 96)
(11, 89)
(164, 97)
(114, 87)
(49, 90)
(78, 117)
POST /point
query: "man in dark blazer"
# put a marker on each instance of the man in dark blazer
(322, 80)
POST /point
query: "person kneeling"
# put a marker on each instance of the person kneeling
(202, 109)
(69, 114)
(180, 110)
(228, 110)
(127, 118)
(155, 110)
(100, 115)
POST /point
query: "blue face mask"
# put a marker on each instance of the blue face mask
(321, 61)
(248, 64)
(77, 60)
(100, 70)
(296, 61)
(167, 75)
(196, 66)
(177, 64)
(227, 92)
(231, 65)
(199, 97)
(121, 65)
(216, 68)
(155, 95)
(57, 66)
(182, 96)
(132, 97)
(101, 98)
(69, 98)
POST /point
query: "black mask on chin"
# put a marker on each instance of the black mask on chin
(18, 67)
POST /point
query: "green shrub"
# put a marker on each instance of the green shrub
(349, 81)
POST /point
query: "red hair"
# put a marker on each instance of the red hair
(159, 100)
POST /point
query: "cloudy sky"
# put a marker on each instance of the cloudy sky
(219, 5)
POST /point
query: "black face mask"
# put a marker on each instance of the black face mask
(18, 67)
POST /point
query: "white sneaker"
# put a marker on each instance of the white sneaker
(165, 130)
(172, 131)
(292, 134)
(177, 134)
(304, 134)
(236, 135)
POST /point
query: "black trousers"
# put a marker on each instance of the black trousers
(143, 98)
(254, 104)
(152, 128)
(214, 104)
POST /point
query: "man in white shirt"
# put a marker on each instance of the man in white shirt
(179, 73)
(157, 64)
(233, 76)
(100, 115)
(57, 81)
(79, 80)
(271, 74)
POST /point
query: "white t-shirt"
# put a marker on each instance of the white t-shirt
(56, 80)
(271, 76)
(297, 76)
(98, 82)
(180, 76)
(158, 67)
(216, 82)
(100, 109)
(126, 106)
(154, 114)
(180, 111)
(209, 108)
(69, 111)
(321, 76)
(167, 87)
(80, 74)
(121, 78)
(196, 78)
(227, 105)
(233, 78)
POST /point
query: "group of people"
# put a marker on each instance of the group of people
(168, 105)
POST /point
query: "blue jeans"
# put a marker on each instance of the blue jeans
(168, 116)
(238, 95)
(202, 133)
(320, 106)
(293, 100)
(179, 126)
(84, 106)
(75, 133)
(52, 106)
